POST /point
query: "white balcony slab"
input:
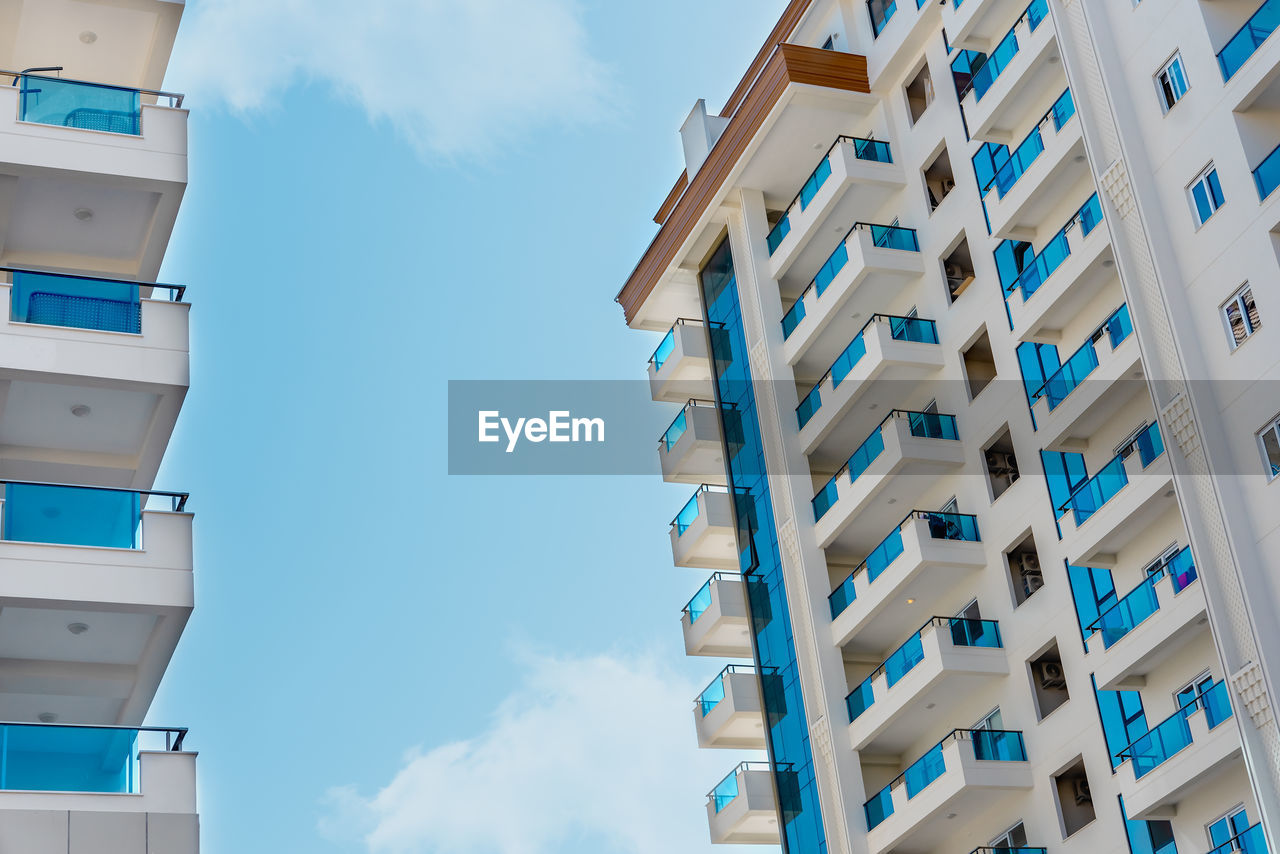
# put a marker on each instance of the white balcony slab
(710, 540)
(737, 721)
(686, 371)
(1181, 619)
(697, 455)
(1007, 106)
(1148, 496)
(874, 620)
(1060, 171)
(723, 630)
(132, 184)
(901, 40)
(133, 384)
(1088, 408)
(1079, 279)
(752, 817)
(1193, 769)
(967, 786)
(980, 25)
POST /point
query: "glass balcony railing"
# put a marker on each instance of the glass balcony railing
(987, 74)
(667, 345)
(1251, 841)
(863, 149)
(680, 425)
(1103, 486)
(79, 302)
(689, 513)
(1143, 601)
(701, 600)
(963, 632)
(1083, 361)
(792, 318)
(1249, 38)
(900, 328)
(715, 692)
(727, 790)
(1031, 147)
(1267, 176)
(1057, 250)
(59, 758)
(1173, 734)
(942, 526)
(78, 515)
(87, 106)
(988, 746)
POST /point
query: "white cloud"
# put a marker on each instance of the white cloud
(599, 748)
(455, 77)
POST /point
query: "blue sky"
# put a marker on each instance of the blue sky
(384, 658)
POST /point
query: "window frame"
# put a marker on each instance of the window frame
(1273, 426)
(1166, 69)
(1237, 300)
(1202, 177)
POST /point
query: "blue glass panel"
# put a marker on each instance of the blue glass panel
(826, 497)
(913, 329)
(700, 602)
(1138, 605)
(903, 660)
(924, 771)
(859, 700)
(1119, 326)
(815, 182)
(1250, 841)
(687, 514)
(665, 348)
(1217, 705)
(712, 695)
(76, 302)
(1100, 489)
(983, 634)
(833, 265)
(1090, 214)
(71, 515)
(880, 15)
(932, 425)
(879, 807)
(1023, 156)
(1151, 750)
(1071, 374)
(1150, 445)
(68, 759)
(998, 746)
(841, 597)
(725, 791)
(1267, 176)
(852, 354)
(1063, 109)
(1182, 569)
(792, 318)
(779, 232)
(952, 526)
(872, 149)
(867, 452)
(676, 430)
(87, 106)
(895, 237)
(987, 73)
(1249, 38)
(812, 403)
(883, 555)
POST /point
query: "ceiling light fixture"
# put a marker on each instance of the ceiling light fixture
(77, 628)
(83, 214)
(46, 717)
(80, 410)
(88, 37)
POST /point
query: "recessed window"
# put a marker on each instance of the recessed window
(1228, 829)
(1024, 570)
(939, 180)
(1048, 681)
(979, 364)
(919, 93)
(1171, 82)
(1269, 440)
(1075, 803)
(1206, 195)
(830, 43)
(958, 268)
(1190, 696)
(1240, 314)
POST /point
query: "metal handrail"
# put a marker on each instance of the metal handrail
(179, 498)
(1151, 579)
(932, 621)
(1094, 337)
(973, 72)
(177, 292)
(839, 139)
(874, 318)
(1196, 701)
(1035, 130)
(175, 98)
(1077, 218)
(1124, 453)
(174, 736)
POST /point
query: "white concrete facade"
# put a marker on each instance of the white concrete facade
(1161, 410)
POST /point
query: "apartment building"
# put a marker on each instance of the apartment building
(95, 562)
(964, 308)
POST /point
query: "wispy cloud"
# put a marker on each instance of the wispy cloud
(455, 77)
(597, 748)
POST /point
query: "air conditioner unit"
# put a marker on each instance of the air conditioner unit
(1000, 464)
(1030, 565)
(1081, 788)
(948, 184)
(1051, 675)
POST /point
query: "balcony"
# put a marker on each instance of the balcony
(901, 29)
(882, 257)
(1186, 751)
(1072, 269)
(115, 157)
(703, 533)
(1149, 626)
(680, 369)
(927, 553)
(1005, 89)
(1107, 511)
(1046, 167)
(907, 694)
(91, 576)
(1266, 176)
(716, 621)
(855, 175)
(900, 459)
(1251, 36)
(690, 450)
(61, 785)
(728, 713)
(1090, 387)
(743, 809)
(96, 372)
(980, 25)
(886, 354)
(964, 773)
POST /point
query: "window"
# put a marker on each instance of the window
(1240, 314)
(1188, 697)
(830, 43)
(1270, 441)
(1171, 82)
(1226, 829)
(992, 721)
(1014, 837)
(1206, 195)
(919, 93)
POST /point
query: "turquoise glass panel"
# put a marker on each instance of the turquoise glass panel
(71, 515)
(983, 634)
(76, 302)
(872, 149)
(68, 759)
(841, 597)
(924, 771)
(711, 697)
(1150, 445)
(779, 232)
(1119, 326)
(867, 452)
(879, 807)
(1129, 612)
(1217, 705)
(998, 746)
(903, 660)
(1182, 569)
(825, 498)
(851, 355)
(859, 700)
(665, 348)
(726, 791)
(932, 425)
(883, 555)
(1249, 38)
(1099, 489)
(86, 106)
(676, 430)
(913, 329)
(1267, 176)
(811, 404)
(895, 237)
(952, 526)
(1068, 378)
(815, 182)
(700, 602)
(792, 318)
(833, 265)
(1153, 749)
(687, 515)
